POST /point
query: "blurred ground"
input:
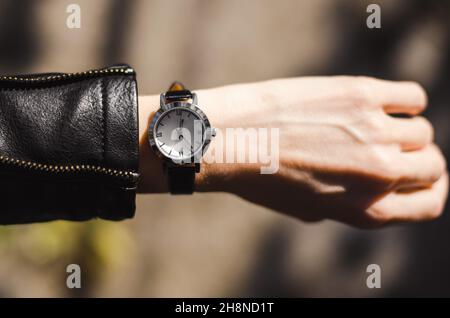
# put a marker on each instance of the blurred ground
(216, 244)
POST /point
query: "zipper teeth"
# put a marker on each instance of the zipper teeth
(67, 168)
(37, 78)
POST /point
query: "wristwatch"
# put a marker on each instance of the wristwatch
(179, 134)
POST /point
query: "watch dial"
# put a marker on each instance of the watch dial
(179, 133)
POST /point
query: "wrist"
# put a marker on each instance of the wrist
(152, 178)
(214, 176)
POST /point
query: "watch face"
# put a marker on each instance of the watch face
(179, 133)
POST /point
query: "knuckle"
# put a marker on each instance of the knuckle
(373, 128)
(378, 216)
(374, 124)
(439, 164)
(442, 164)
(382, 161)
(435, 209)
(358, 90)
(427, 128)
(421, 92)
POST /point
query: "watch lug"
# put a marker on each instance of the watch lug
(162, 101)
(194, 99)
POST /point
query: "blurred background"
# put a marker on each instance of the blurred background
(216, 245)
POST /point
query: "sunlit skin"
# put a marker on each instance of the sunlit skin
(342, 155)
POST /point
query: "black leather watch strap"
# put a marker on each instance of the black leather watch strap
(181, 177)
(178, 95)
(177, 92)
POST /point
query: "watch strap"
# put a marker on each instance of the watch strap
(181, 179)
(177, 92)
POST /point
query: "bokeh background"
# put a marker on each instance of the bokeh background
(214, 245)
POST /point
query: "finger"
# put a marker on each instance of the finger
(422, 167)
(410, 133)
(400, 97)
(420, 205)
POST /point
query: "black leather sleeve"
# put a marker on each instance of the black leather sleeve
(68, 146)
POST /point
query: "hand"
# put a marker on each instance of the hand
(342, 155)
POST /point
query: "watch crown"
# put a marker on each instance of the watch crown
(213, 132)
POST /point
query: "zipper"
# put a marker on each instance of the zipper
(51, 77)
(129, 176)
(74, 169)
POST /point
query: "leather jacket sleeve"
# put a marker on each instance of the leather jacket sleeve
(68, 146)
